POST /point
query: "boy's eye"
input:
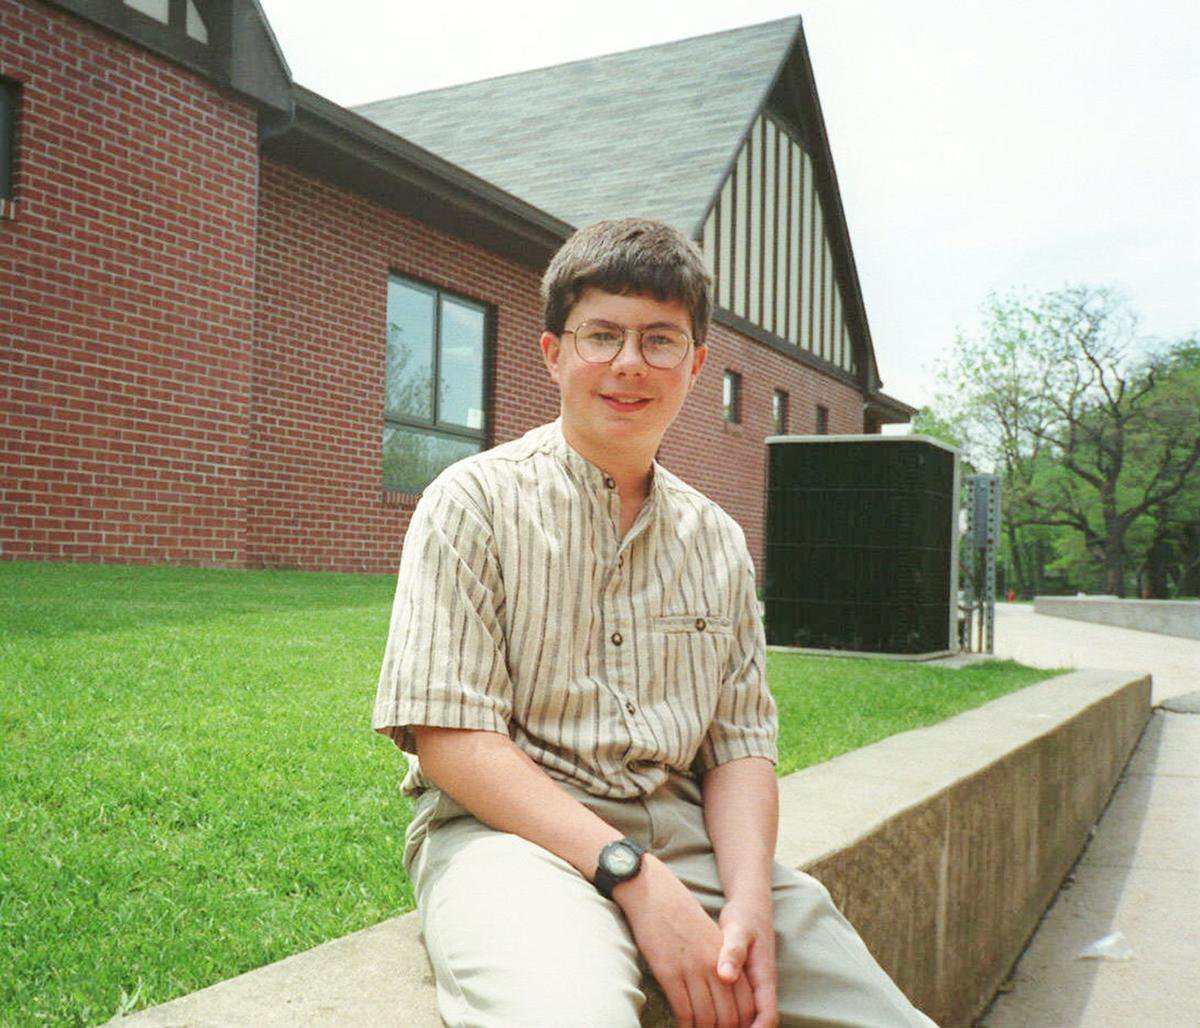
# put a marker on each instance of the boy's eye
(600, 333)
(658, 339)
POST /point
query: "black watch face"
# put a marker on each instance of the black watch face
(620, 860)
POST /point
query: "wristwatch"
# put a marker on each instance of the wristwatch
(619, 861)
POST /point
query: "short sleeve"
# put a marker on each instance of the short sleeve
(445, 662)
(745, 723)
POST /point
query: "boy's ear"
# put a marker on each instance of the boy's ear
(699, 356)
(551, 346)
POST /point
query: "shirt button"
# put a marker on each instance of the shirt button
(620, 562)
(631, 708)
(609, 483)
(701, 624)
(617, 638)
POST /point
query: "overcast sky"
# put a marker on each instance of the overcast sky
(979, 146)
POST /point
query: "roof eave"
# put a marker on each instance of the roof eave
(242, 53)
(348, 150)
(832, 199)
(890, 410)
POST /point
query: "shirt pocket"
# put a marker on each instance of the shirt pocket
(692, 651)
(696, 624)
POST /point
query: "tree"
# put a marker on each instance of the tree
(1090, 430)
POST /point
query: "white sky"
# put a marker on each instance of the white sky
(979, 146)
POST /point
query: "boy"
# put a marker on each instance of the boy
(577, 659)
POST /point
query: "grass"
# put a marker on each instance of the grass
(831, 705)
(189, 788)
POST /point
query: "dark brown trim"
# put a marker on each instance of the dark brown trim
(810, 198)
(797, 92)
(758, 334)
(749, 206)
(762, 225)
(716, 245)
(241, 53)
(777, 78)
(733, 236)
(345, 149)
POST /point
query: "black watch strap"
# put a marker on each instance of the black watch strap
(619, 861)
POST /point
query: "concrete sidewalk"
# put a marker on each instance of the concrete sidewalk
(1042, 641)
(1140, 874)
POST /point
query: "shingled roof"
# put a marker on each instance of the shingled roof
(650, 132)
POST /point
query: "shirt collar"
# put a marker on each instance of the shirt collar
(587, 472)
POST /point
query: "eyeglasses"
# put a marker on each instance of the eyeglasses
(599, 342)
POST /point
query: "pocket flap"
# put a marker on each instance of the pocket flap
(713, 624)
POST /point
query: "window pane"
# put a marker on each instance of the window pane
(412, 459)
(460, 401)
(410, 313)
(732, 396)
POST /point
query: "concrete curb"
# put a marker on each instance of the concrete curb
(943, 845)
(1164, 617)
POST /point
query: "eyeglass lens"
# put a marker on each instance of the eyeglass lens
(598, 342)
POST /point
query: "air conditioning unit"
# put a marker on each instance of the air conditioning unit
(862, 545)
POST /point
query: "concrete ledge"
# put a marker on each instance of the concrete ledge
(943, 845)
(1167, 617)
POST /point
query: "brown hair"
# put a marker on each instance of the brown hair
(624, 256)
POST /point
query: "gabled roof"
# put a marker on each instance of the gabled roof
(650, 132)
(241, 52)
(578, 140)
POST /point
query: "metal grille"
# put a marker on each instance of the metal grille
(861, 545)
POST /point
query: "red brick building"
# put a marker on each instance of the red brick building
(240, 324)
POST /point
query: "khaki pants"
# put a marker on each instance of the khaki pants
(519, 939)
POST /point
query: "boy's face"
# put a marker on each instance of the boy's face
(620, 409)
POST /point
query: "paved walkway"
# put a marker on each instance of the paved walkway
(1041, 641)
(1140, 874)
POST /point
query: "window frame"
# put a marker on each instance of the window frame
(822, 420)
(10, 104)
(433, 426)
(780, 405)
(731, 397)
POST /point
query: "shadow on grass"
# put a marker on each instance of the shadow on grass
(110, 597)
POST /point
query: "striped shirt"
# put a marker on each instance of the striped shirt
(611, 662)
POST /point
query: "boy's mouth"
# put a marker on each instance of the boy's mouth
(625, 403)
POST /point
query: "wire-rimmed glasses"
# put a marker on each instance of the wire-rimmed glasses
(662, 346)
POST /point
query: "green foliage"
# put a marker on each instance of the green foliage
(1096, 435)
(190, 788)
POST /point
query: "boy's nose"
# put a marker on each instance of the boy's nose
(629, 358)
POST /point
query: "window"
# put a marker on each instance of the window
(732, 397)
(779, 411)
(8, 136)
(434, 389)
(822, 420)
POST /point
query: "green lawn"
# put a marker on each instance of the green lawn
(189, 787)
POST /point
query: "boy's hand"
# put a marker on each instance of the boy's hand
(682, 945)
(748, 949)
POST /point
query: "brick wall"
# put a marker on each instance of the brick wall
(316, 424)
(194, 343)
(126, 285)
(728, 462)
(316, 499)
